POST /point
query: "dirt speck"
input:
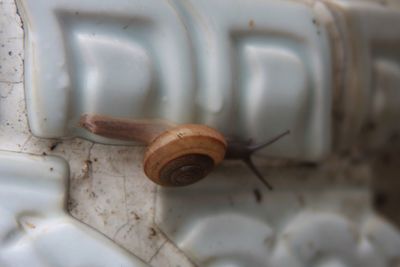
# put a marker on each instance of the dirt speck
(51, 169)
(251, 24)
(153, 233)
(257, 195)
(135, 216)
(380, 199)
(54, 145)
(315, 22)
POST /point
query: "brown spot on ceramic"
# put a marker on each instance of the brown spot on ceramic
(251, 24)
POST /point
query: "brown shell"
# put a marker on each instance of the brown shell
(184, 154)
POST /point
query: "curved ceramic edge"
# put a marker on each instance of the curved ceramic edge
(368, 94)
(35, 229)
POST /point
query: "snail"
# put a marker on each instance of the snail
(176, 155)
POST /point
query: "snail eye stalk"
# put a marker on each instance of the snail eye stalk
(253, 168)
(262, 145)
(244, 152)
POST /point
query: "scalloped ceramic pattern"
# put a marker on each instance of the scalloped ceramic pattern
(223, 222)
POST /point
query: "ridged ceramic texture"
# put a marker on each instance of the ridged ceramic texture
(248, 69)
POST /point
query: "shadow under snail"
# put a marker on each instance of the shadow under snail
(177, 155)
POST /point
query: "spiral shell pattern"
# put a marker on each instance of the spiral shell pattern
(183, 155)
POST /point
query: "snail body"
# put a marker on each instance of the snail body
(177, 155)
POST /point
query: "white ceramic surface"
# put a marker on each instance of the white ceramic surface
(250, 69)
(35, 229)
(370, 75)
(227, 220)
(188, 50)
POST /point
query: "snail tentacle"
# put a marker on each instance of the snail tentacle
(256, 147)
(253, 168)
(244, 151)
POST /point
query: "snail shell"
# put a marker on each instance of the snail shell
(183, 155)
